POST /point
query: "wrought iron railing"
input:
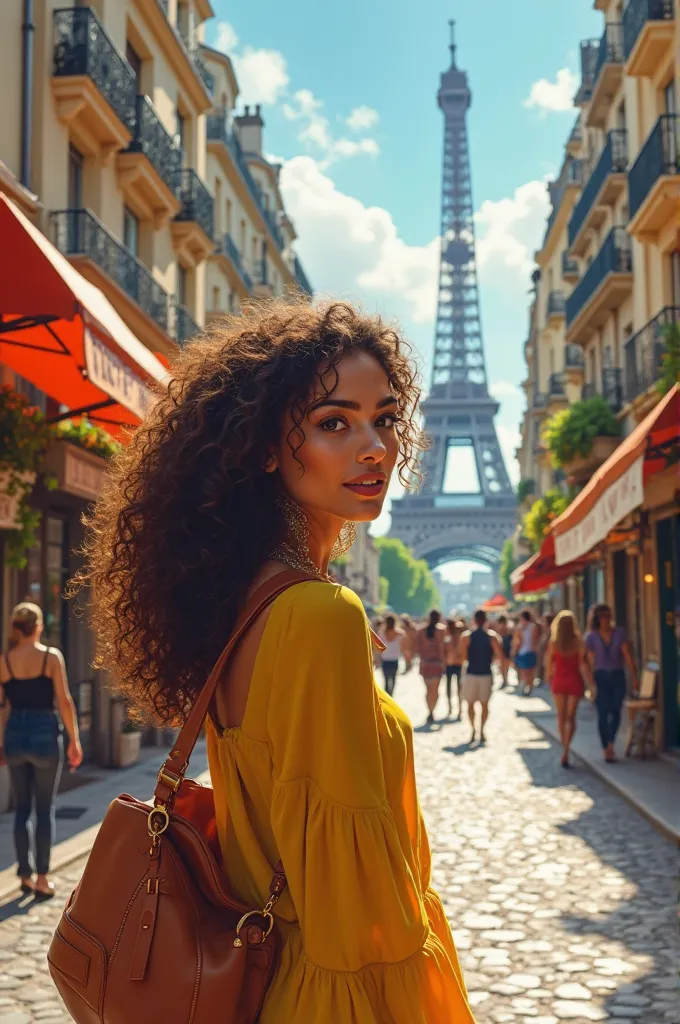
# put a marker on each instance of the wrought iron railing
(301, 277)
(556, 303)
(615, 257)
(571, 174)
(182, 324)
(590, 54)
(612, 386)
(612, 160)
(569, 265)
(219, 131)
(556, 385)
(573, 356)
(660, 155)
(82, 47)
(611, 48)
(231, 250)
(637, 13)
(642, 354)
(197, 203)
(81, 233)
(204, 72)
(576, 135)
(539, 400)
(151, 138)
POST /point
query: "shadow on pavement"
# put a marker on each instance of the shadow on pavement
(463, 748)
(17, 907)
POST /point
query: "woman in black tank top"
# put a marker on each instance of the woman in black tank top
(31, 741)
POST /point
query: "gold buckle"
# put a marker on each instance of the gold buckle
(169, 779)
(265, 914)
(152, 886)
(157, 828)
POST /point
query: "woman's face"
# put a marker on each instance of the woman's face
(350, 445)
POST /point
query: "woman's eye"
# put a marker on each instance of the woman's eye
(389, 419)
(331, 425)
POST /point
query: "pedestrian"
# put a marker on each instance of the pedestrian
(543, 641)
(277, 427)
(431, 651)
(480, 648)
(565, 666)
(608, 651)
(454, 660)
(35, 687)
(409, 645)
(504, 631)
(393, 638)
(525, 644)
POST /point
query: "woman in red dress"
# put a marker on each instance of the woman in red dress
(565, 666)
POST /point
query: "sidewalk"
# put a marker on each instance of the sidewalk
(79, 810)
(651, 786)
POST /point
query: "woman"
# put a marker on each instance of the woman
(409, 645)
(504, 631)
(454, 659)
(278, 429)
(431, 652)
(34, 681)
(393, 637)
(565, 665)
(608, 652)
(543, 640)
(525, 643)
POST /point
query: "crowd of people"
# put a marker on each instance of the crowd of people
(543, 650)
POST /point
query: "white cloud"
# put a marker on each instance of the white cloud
(553, 96)
(355, 249)
(315, 131)
(501, 389)
(362, 118)
(509, 439)
(262, 75)
(509, 232)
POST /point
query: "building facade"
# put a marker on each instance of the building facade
(120, 140)
(607, 289)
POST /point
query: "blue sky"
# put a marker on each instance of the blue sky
(349, 100)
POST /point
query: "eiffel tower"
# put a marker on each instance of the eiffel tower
(465, 508)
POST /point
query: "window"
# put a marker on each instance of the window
(669, 97)
(460, 469)
(134, 60)
(75, 179)
(131, 231)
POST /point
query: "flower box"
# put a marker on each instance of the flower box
(77, 471)
(582, 467)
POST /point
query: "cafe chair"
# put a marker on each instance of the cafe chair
(642, 714)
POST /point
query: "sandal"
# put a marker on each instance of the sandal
(27, 885)
(45, 894)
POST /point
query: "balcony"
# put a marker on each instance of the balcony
(603, 287)
(602, 188)
(555, 307)
(570, 268)
(647, 35)
(575, 140)
(574, 364)
(556, 392)
(607, 74)
(642, 354)
(588, 391)
(262, 283)
(80, 235)
(93, 85)
(590, 55)
(612, 387)
(219, 132)
(539, 402)
(182, 325)
(301, 278)
(228, 249)
(654, 180)
(148, 171)
(192, 228)
(565, 188)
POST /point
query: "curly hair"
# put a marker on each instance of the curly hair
(187, 517)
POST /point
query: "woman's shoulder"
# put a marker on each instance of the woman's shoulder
(321, 605)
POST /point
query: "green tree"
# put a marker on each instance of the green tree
(543, 513)
(384, 590)
(507, 566)
(424, 594)
(397, 565)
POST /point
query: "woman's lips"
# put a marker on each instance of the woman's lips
(367, 490)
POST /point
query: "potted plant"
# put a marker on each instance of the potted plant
(24, 437)
(87, 436)
(129, 744)
(542, 514)
(581, 437)
(670, 359)
(525, 490)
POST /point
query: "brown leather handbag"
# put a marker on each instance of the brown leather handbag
(152, 933)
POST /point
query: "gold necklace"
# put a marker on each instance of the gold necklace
(287, 554)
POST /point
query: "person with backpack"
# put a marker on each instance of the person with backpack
(480, 647)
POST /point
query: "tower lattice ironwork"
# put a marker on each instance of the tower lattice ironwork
(466, 506)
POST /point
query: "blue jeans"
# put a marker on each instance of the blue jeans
(33, 747)
(611, 690)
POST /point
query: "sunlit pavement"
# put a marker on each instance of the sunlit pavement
(562, 899)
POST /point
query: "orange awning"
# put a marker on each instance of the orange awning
(62, 334)
(540, 571)
(618, 485)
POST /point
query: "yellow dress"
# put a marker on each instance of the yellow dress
(320, 773)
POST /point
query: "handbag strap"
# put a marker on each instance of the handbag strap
(174, 768)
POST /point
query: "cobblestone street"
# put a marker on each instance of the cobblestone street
(562, 898)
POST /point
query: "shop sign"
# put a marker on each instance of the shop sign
(113, 376)
(620, 498)
(82, 475)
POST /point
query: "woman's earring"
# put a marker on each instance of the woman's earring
(346, 537)
(296, 523)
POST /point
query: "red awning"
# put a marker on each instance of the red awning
(540, 571)
(62, 334)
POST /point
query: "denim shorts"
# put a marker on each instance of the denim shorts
(526, 660)
(36, 733)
